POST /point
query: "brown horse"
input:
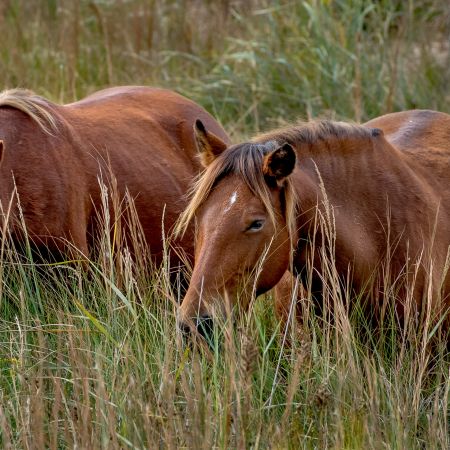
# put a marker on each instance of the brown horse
(138, 140)
(373, 199)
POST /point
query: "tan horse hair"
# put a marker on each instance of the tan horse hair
(32, 105)
(316, 130)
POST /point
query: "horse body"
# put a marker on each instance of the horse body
(133, 139)
(376, 196)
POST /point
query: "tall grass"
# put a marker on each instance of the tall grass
(89, 352)
(91, 358)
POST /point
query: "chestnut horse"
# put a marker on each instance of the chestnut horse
(137, 140)
(382, 190)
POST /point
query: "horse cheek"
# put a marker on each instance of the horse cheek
(277, 264)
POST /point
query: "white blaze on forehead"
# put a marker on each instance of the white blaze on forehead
(233, 199)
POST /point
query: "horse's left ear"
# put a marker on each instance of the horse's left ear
(208, 144)
(280, 163)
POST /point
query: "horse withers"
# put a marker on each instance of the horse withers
(138, 141)
(374, 199)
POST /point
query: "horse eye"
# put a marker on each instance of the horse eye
(256, 225)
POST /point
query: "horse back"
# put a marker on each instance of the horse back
(416, 130)
(141, 131)
(128, 104)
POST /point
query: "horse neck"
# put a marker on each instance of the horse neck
(358, 179)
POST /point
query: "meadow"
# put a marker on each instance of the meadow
(89, 353)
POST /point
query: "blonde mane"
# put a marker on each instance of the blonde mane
(34, 106)
(317, 130)
(246, 160)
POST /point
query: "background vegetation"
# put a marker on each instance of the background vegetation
(91, 358)
(251, 63)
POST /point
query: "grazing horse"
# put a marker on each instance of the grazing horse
(138, 141)
(382, 190)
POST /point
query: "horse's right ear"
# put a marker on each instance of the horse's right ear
(2, 150)
(208, 144)
(280, 163)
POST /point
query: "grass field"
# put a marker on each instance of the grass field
(90, 356)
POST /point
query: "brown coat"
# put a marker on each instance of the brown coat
(374, 198)
(142, 136)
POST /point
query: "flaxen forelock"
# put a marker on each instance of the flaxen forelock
(245, 160)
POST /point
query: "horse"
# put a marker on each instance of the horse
(54, 159)
(381, 191)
